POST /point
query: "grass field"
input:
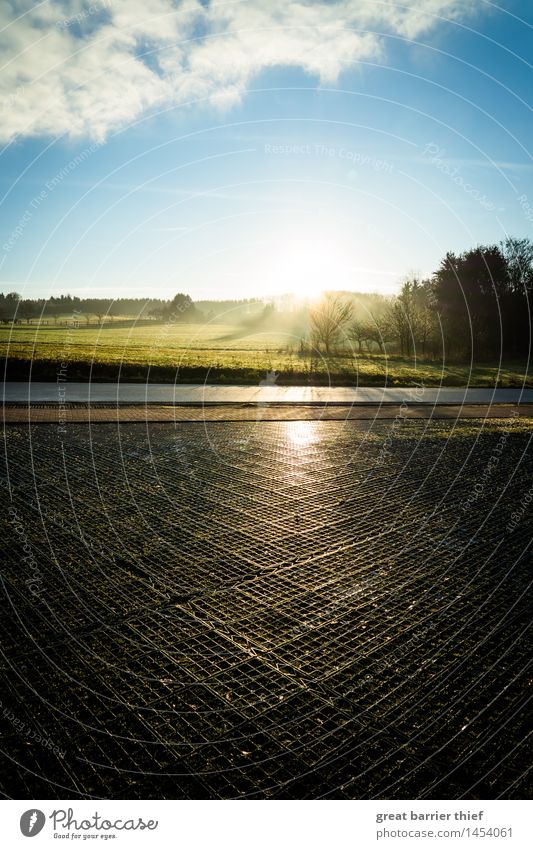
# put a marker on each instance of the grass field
(266, 610)
(221, 353)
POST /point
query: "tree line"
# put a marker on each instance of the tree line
(15, 308)
(477, 304)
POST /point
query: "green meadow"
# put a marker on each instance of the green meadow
(223, 353)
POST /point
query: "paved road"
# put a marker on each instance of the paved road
(139, 393)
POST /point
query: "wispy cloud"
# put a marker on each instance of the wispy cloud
(87, 68)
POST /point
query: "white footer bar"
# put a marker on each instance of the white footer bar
(268, 824)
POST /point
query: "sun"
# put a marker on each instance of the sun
(308, 270)
(308, 267)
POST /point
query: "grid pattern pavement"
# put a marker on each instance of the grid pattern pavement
(266, 609)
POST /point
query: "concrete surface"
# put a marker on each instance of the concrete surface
(199, 394)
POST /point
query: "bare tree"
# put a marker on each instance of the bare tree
(358, 332)
(371, 324)
(379, 330)
(403, 314)
(328, 319)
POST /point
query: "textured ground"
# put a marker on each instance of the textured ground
(100, 412)
(273, 609)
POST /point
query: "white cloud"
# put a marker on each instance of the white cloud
(87, 68)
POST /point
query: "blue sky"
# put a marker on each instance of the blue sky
(228, 150)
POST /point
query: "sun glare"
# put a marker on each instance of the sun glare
(300, 434)
(308, 268)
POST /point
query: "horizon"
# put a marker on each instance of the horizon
(219, 155)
